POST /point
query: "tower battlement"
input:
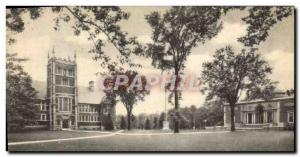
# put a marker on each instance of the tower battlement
(67, 60)
(62, 60)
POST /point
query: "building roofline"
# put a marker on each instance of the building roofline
(262, 100)
(87, 103)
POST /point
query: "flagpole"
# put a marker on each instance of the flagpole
(166, 103)
(166, 122)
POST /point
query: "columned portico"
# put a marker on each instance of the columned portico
(278, 113)
(261, 113)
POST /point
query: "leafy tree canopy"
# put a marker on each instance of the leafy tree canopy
(129, 93)
(177, 31)
(230, 73)
(94, 21)
(20, 95)
(260, 20)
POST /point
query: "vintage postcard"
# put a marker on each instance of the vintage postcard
(154, 79)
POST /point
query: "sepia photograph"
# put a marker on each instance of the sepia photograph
(150, 79)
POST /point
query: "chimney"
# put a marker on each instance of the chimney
(91, 85)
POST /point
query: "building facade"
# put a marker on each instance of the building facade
(277, 113)
(65, 105)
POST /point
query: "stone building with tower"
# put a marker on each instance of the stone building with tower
(66, 105)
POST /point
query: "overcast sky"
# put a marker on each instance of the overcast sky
(39, 38)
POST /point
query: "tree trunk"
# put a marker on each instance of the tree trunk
(128, 120)
(176, 121)
(232, 128)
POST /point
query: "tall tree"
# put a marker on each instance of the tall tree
(108, 103)
(260, 20)
(155, 123)
(229, 73)
(108, 122)
(161, 120)
(141, 120)
(147, 124)
(129, 92)
(214, 112)
(20, 95)
(123, 123)
(175, 33)
(193, 110)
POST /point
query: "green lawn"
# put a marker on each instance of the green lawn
(222, 141)
(46, 135)
(166, 131)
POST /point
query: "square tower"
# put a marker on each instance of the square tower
(62, 92)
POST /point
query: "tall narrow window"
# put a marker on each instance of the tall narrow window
(70, 72)
(43, 117)
(291, 116)
(65, 81)
(70, 104)
(43, 107)
(65, 104)
(60, 104)
(64, 71)
(58, 70)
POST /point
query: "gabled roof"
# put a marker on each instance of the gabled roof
(85, 95)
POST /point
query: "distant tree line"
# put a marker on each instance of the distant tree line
(210, 114)
(141, 121)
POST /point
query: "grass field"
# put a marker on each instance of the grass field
(46, 135)
(157, 141)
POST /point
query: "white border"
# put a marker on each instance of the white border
(148, 2)
(4, 3)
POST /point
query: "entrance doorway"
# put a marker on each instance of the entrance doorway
(269, 117)
(65, 124)
(250, 118)
(259, 114)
